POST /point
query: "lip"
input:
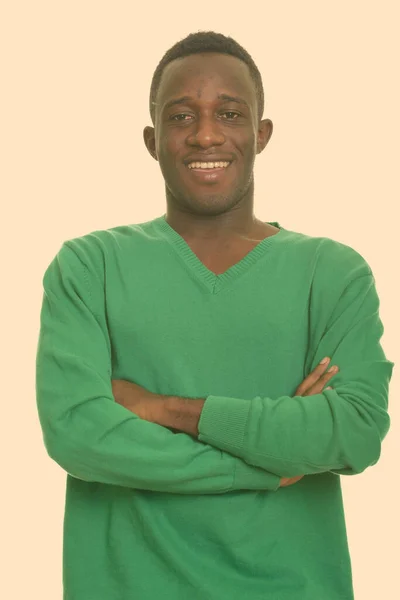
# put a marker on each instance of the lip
(208, 175)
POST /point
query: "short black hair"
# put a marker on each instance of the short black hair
(198, 43)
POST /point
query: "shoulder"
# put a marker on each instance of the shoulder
(104, 240)
(98, 250)
(329, 256)
(102, 243)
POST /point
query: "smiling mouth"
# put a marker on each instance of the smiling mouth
(208, 166)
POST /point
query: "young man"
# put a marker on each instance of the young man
(169, 362)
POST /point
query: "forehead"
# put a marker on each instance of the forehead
(194, 74)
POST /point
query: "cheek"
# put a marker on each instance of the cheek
(169, 152)
(168, 146)
(245, 141)
(251, 142)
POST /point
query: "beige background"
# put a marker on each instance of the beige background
(75, 81)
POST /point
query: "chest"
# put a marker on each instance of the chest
(219, 258)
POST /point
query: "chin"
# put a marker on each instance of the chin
(213, 204)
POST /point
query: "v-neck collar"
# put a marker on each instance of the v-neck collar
(213, 282)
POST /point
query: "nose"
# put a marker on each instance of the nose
(206, 133)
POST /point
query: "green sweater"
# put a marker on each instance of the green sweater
(154, 514)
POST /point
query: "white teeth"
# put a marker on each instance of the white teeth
(208, 165)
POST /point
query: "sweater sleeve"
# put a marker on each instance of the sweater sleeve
(85, 431)
(339, 430)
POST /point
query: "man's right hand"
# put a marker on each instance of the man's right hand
(312, 384)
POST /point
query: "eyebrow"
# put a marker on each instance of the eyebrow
(233, 99)
(181, 100)
(224, 97)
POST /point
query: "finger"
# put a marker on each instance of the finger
(319, 386)
(285, 481)
(313, 377)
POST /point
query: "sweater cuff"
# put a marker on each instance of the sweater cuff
(223, 422)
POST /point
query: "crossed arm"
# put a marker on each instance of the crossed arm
(183, 414)
(246, 444)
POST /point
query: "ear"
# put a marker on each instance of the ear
(264, 133)
(150, 141)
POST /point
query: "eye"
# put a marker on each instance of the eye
(232, 115)
(178, 117)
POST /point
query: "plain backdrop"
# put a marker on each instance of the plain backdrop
(75, 78)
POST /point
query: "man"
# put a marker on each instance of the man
(169, 362)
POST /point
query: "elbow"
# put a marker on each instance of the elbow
(366, 448)
(367, 455)
(66, 456)
(56, 451)
(367, 424)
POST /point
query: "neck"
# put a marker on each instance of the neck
(237, 221)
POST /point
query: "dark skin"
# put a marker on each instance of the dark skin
(213, 217)
(206, 110)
